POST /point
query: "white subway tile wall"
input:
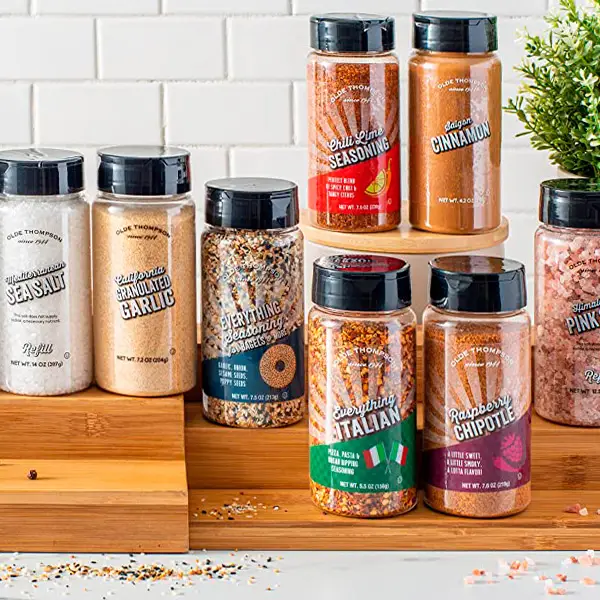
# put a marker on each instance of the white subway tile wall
(224, 78)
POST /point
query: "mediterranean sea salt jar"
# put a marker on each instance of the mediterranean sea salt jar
(567, 308)
(477, 433)
(362, 390)
(144, 254)
(45, 311)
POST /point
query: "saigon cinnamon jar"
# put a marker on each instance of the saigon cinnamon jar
(477, 432)
(353, 123)
(455, 123)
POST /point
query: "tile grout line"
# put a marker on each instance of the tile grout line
(33, 109)
(163, 113)
(97, 69)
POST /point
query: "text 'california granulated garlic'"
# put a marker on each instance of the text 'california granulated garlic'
(252, 304)
(477, 434)
(567, 313)
(362, 399)
(45, 282)
(455, 118)
(353, 123)
(144, 248)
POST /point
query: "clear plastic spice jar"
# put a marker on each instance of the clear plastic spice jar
(362, 398)
(455, 120)
(144, 255)
(477, 434)
(567, 306)
(46, 308)
(353, 123)
(252, 304)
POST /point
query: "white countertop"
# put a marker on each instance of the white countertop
(320, 575)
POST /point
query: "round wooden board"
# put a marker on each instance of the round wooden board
(404, 240)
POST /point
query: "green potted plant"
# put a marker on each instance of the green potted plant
(558, 102)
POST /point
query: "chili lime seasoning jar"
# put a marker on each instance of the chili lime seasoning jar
(252, 303)
(144, 272)
(361, 375)
(455, 119)
(46, 304)
(477, 433)
(567, 308)
(353, 123)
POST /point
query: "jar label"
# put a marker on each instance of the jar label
(494, 456)
(384, 460)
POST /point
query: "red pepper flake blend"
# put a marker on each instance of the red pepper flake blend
(573, 508)
(32, 475)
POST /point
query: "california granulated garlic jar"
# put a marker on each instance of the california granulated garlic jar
(46, 305)
(252, 304)
(567, 308)
(361, 374)
(477, 433)
(455, 119)
(144, 272)
(353, 123)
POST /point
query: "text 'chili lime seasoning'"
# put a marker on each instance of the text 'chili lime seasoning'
(477, 434)
(252, 303)
(567, 313)
(353, 123)
(361, 375)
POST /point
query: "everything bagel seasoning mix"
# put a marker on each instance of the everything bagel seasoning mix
(361, 373)
(252, 304)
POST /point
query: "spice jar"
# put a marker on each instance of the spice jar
(144, 272)
(46, 312)
(252, 304)
(354, 124)
(477, 433)
(567, 307)
(361, 373)
(455, 119)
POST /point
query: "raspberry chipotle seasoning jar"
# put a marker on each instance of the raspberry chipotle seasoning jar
(144, 272)
(477, 433)
(354, 125)
(361, 375)
(567, 308)
(252, 304)
(455, 123)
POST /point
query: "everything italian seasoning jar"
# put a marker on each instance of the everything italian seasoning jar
(567, 310)
(477, 433)
(455, 111)
(46, 304)
(361, 374)
(354, 124)
(144, 254)
(252, 304)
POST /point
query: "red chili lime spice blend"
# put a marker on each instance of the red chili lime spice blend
(354, 124)
(477, 433)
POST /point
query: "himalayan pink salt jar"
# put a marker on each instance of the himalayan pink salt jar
(567, 307)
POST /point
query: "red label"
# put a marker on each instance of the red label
(365, 188)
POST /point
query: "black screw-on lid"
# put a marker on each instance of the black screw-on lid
(144, 170)
(40, 172)
(361, 282)
(572, 203)
(345, 32)
(455, 31)
(252, 203)
(479, 284)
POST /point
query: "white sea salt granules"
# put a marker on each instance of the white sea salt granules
(45, 287)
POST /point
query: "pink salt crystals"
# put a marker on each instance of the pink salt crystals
(567, 282)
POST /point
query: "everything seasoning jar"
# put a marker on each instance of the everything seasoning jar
(46, 304)
(353, 123)
(455, 118)
(477, 433)
(362, 399)
(144, 250)
(567, 306)
(252, 304)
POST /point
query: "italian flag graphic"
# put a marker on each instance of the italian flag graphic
(399, 453)
(374, 456)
